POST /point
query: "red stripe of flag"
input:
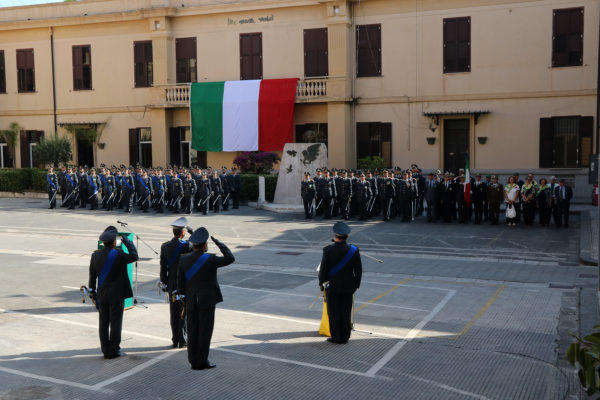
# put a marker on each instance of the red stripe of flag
(276, 113)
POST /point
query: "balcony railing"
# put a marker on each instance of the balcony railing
(306, 90)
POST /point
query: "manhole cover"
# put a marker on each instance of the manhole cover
(561, 286)
(144, 259)
(242, 247)
(288, 253)
(588, 275)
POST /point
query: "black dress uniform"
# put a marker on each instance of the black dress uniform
(111, 192)
(177, 193)
(92, 191)
(236, 188)
(197, 281)
(345, 195)
(562, 197)
(189, 190)
(363, 198)
(170, 253)
(328, 194)
(479, 199)
(203, 194)
(72, 190)
(341, 267)
(307, 192)
(83, 182)
(448, 199)
(432, 194)
(387, 193)
(52, 188)
(128, 192)
(226, 186)
(113, 288)
(216, 190)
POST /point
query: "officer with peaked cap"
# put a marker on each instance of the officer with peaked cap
(339, 275)
(197, 281)
(109, 267)
(170, 253)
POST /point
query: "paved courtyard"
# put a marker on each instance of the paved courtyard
(453, 312)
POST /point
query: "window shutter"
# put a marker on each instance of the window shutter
(134, 148)
(546, 143)
(24, 145)
(315, 52)
(77, 68)
(362, 139)
(586, 134)
(175, 144)
(368, 40)
(250, 56)
(2, 73)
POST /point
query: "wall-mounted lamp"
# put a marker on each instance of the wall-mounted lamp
(482, 139)
(431, 140)
(102, 145)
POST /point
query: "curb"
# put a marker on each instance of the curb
(24, 195)
(585, 238)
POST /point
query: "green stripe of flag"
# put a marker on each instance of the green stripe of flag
(206, 115)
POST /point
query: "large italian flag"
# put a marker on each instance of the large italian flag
(242, 115)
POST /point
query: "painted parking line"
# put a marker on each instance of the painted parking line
(382, 295)
(479, 314)
(54, 380)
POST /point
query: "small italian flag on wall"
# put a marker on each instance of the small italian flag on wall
(242, 115)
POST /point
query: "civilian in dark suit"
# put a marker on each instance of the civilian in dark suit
(170, 252)
(197, 281)
(109, 266)
(479, 198)
(432, 196)
(562, 196)
(553, 185)
(339, 275)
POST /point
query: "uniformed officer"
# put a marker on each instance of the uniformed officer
(169, 259)
(307, 192)
(448, 198)
(339, 275)
(226, 185)
(197, 281)
(189, 190)
(363, 196)
(110, 190)
(82, 177)
(52, 187)
(203, 193)
(479, 198)
(92, 189)
(345, 194)
(62, 180)
(328, 194)
(109, 267)
(72, 188)
(387, 193)
(318, 200)
(128, 190)
(177, 193)
(216, 190)
(495, 195)
(236, 188)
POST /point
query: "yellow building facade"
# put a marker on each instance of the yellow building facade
(509, 84)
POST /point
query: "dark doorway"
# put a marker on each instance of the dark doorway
(85, 153)
(456, 144)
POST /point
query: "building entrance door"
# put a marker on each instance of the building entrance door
(456, 144)
(85, 153)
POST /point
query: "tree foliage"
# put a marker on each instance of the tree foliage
(53, 151)
(370, 163)
(256, 162)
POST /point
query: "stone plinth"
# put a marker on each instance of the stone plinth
(297, 158)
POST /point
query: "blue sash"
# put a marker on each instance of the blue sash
(126, 183)
(168, 178)
(108, 264)
(144, 184)
(176, 253)
(196, 267)
(50, 181)
(92, 183)
(102, 179)
(71, 180)
(343, 262)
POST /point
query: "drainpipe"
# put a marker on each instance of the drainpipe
(53, 82)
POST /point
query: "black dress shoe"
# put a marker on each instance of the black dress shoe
(209, 365)
(332, 340)
(115, 355)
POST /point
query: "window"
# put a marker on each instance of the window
(6, 161)
(140, 147)
(185, 54)
(142, 56)
(250, 56)
(457, 44)
(2, 73)
(311, 133)
(566, 142)
(316, 63)
(25, 71)
(368, 50)
(82, 67)
(374, 139)
(567, 37)
(28, 140)
(181, 148)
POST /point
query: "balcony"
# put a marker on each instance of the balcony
(314, 90)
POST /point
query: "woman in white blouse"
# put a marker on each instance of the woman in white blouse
(511, 194)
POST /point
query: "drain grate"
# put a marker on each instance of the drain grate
(288, 253)
(588, 275)
(144, 259)
(243, 247)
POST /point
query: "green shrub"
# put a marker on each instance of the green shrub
(20, 180)
(371, 163)
(250, 187)
(53, 151)
(38, 180)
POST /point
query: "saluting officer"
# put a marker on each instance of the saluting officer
(197, 281)
(109, 267)
(52, 187)
(339, 275)
(169, 259)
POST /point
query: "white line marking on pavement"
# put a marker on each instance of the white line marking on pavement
(273, 317)
(444, 386)
(301, 236)
(410, 335)
(303, 364)
(136, 369)
(54, 380)
(237, 235)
